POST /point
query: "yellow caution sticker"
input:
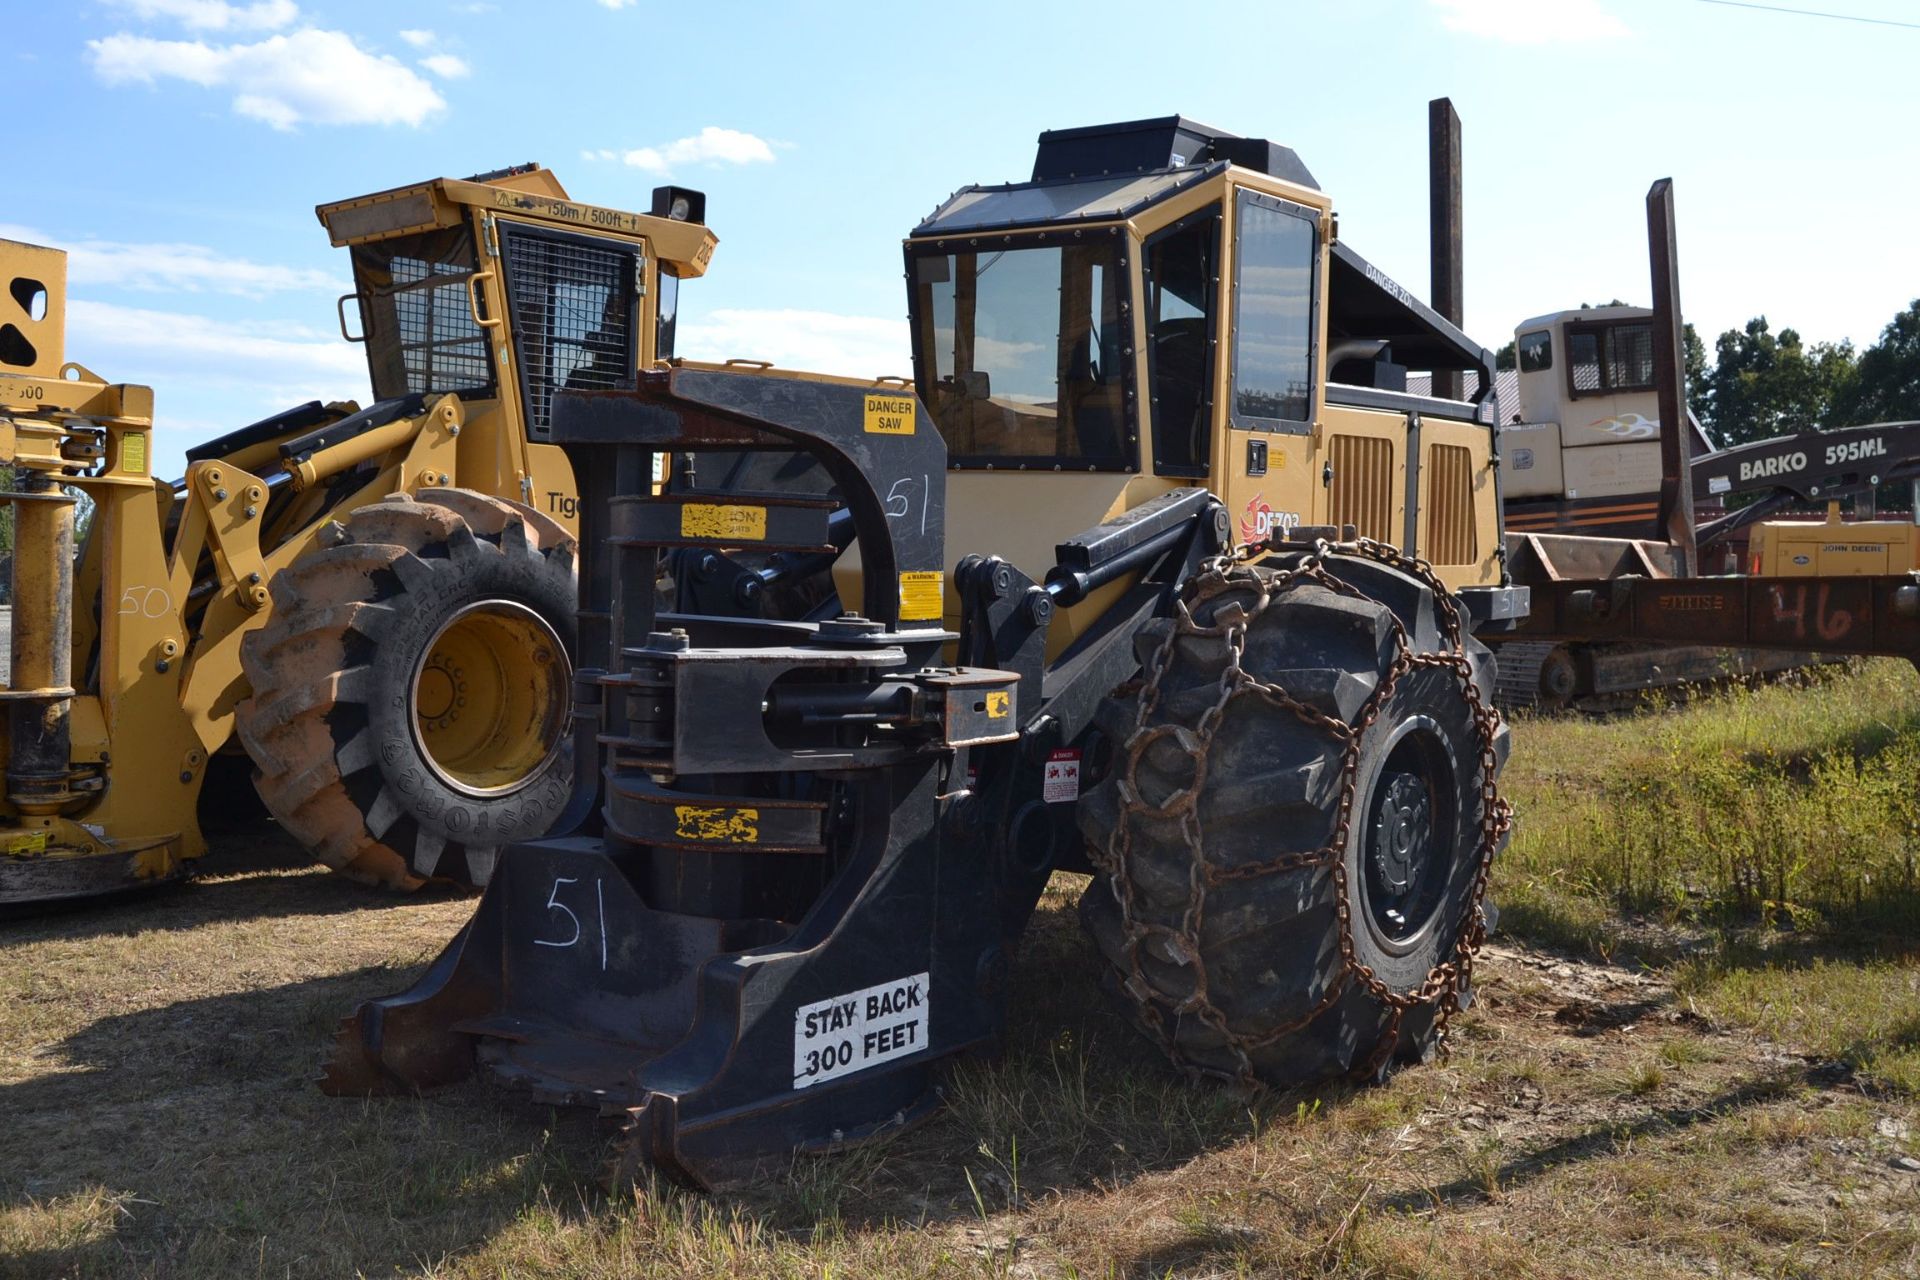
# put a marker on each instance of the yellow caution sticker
(722, 523)
(720, 824)
(133, 453)
(999, 704)
(22, 842)
(890, 415)
(921, 595)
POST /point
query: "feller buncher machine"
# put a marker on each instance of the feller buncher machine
(1107, 587)
(376, 605)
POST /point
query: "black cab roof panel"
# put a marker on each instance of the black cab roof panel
(1027, 204)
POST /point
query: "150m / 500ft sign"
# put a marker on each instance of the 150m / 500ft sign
(849, 1033)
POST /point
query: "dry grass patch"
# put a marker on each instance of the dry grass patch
(1594, 1119)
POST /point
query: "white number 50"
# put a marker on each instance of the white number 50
(146, 602)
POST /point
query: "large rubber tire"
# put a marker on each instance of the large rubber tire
(415, 613)
(1244, 979)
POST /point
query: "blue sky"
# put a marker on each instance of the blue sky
(178, 147)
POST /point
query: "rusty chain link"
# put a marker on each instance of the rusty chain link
(1448, 980)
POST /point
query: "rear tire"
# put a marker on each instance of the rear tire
(1235, 965)
(412, 688)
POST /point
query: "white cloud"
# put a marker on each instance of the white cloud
(712, 145)
(1531, 22)
(447, 67)
(171, 268)
(817, 341)
(616, 4)
(210, 376)
(419, 39)
(216, 15)
(309, 77)
(170, 340)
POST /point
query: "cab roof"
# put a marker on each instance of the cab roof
(524, 191)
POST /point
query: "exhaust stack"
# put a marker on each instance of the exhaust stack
(1669, 377)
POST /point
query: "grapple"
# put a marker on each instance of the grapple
(777, 905)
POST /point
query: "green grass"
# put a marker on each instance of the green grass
(1789, 808)
(1764, 844)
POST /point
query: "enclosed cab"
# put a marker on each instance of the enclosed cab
(1580, 450)
(1165, 304)
(503, 290)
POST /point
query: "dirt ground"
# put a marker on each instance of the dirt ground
(157, 1118)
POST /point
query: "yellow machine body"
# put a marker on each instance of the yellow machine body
(1834, 547)
(129, 652)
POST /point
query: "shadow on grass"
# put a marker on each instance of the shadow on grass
(1078, 1101)
(201, 1116)
(1886, 927)
(1602, 1141)
(201, 1121)
(250, 872)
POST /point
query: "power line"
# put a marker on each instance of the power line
(1815, 13)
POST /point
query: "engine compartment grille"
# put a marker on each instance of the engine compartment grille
(1362, 492)
(1451, 537)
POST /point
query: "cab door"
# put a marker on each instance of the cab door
(1266, 466)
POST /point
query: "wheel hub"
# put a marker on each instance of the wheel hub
(490, 698)
(1406, 843)
(1402, 832)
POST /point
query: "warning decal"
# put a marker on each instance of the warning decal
(26, 842)
(1062, 780)
(723, 523)
(921, 594)
(849, 1033)
(730, 826)
(133, 453)
(890, 415)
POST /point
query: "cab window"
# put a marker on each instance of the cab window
(1181, 271)
(1027, 352)
(1276, 255)
(421, 334)
(1602, 359)
(1535, 352)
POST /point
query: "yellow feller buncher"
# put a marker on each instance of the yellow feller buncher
(377, 605)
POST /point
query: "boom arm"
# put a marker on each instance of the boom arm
(1809, 466)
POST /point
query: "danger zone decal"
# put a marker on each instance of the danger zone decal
(889, 415)
(861, 1029)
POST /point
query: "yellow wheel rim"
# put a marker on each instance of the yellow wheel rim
(490, 698)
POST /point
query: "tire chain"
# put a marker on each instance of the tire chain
(1447, 981)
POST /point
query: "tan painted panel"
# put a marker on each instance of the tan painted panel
(1530, 464)
(1456, 442)
(1382, 489)
(1627, 418)
(1607, 471)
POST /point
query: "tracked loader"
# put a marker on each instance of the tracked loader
(376, 605)
(1107, 588)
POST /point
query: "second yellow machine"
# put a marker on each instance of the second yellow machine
(376, 605)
